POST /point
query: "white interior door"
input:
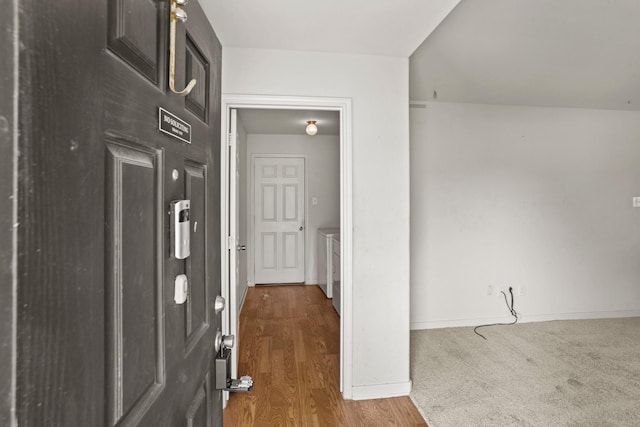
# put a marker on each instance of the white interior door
(279, 214)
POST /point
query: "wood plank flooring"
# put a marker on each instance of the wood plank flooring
(289, 342)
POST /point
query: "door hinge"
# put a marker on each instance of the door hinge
(229, 242)
(229, 137)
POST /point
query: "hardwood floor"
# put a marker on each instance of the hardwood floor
(289, 342)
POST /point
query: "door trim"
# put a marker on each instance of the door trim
(251, 253)
(343, 106)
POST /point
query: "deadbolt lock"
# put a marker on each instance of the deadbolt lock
(219, 304)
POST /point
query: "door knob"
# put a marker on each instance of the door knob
(228, 341)
(219, 304)
(242, 247)
(301, 228)
(223, 341)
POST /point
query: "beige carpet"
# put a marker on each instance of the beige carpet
(561, 373)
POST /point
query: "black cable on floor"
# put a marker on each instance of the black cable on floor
(512, 310)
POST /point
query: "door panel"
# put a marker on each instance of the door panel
(269, 201)
(198, 413)
(134, 361)
(103, 343)
(269, 250)
(134, 35)
(197, 67)
(290, 250)
(197, 316)
(279, 189)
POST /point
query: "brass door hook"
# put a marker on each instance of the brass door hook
(177, 14)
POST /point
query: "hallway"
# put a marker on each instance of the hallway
(289, 343)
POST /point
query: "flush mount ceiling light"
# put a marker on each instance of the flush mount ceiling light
(312, 129)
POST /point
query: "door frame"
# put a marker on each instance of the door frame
(343, 106)
(251, 228)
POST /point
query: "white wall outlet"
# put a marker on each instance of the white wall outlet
(314, 201)
(490, 290)
(636, 202)
(522, 291)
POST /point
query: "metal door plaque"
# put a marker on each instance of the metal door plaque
(173, 125)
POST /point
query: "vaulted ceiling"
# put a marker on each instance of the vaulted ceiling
(567, 53)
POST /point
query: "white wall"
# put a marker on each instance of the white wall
(323, 182)
(538, 198)
(378, 87)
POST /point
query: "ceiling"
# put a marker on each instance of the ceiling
(374, 27)
(288, 122)
(339, 26)
(569, 53)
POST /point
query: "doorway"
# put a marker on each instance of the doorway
(231, 244)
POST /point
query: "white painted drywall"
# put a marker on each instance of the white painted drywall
(323, 182)
(538, 198)
(378, 87)
(243, 190)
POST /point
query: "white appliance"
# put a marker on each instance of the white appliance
(325, 259)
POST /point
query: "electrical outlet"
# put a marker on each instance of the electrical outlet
(490, 290)
(636, 202)
(522, 291)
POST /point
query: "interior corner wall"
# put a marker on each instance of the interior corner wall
(378, 87)
(322, 169)
(539, 199)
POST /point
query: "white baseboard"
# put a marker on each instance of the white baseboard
(524, 318)
(242, 298)
(455, 323)
(380, 391)
(580, 316)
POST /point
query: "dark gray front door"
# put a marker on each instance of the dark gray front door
(100, 339)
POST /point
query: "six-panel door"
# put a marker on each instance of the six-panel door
(279, 214)
(101, 341)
